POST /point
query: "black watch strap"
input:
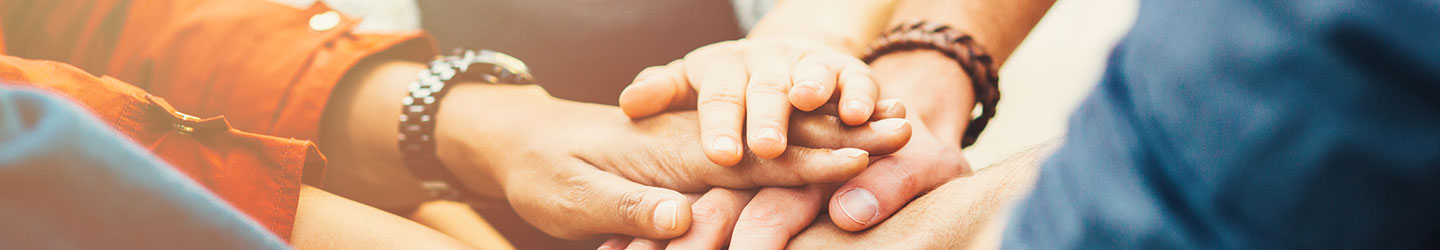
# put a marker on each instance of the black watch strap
(418, 113)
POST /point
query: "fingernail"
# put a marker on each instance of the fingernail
(770, 134)
(810, 85)
(725, 144)
(859, 205)
(888, 104)
(665, 214)
(855, 105)
(889, 124)
(851, 152)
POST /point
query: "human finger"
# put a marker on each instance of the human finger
(892, 182)
(776, 214)
(884, 109)
(879, 137)
(888, 108)
(657, 89)
(766, 103)
(814, 77)
(858, 93)
(798, 166)
(616, 242)
(720, 77)
(714, 216)
(585, 201)
(646, 244)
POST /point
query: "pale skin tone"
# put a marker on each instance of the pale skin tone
(574, 170)
(936, 92)
(326, 221)
(943, 132)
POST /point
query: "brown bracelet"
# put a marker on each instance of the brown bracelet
(919, 34)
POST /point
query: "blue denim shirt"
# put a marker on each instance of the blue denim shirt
(69, 181)
(1253, 124)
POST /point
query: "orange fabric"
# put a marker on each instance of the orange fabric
(260, 175)
(256, 63)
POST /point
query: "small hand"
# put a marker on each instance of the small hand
(753, 85)
(576, 170)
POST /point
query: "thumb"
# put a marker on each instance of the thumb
(891, 182)
(596, 202)
(657, 89)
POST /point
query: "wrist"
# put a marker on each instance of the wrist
(476, 125)
(931, 85)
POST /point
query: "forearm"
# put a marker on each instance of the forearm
(998, 25)
(844, 25)
(359, 131)
(1008, 181)
(934, 88)
(327, 221)
(363, 164)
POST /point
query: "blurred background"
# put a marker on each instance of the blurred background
(588, 50)
(584, 50)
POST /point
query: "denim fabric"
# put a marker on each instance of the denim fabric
(69, 181)
(1244, 124)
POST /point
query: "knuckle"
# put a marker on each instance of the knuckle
(902, 176)
(726, 48)
(652, 70)
(762, 216)
(730, 179)
(709, 212)
(723, 99)
(648, 73)
(676, 63)
(769, 85)
(630, 206)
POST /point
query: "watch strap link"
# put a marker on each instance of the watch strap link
(422, 102)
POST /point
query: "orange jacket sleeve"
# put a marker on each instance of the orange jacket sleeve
(259, 64)
(260, 175)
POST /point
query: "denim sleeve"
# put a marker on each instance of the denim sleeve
(69, 181)
(1253, 124)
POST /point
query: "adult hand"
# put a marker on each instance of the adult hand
(965, 213)
(752, 84)
(774, 214)
(577, 170)
(939, 91)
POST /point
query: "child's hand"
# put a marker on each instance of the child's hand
(769, 76)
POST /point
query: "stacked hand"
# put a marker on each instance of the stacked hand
(772, 76)
(578, 170)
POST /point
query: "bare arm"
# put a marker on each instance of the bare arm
(1000, 26)
(327, 221)
(916, 77)
(844, 25)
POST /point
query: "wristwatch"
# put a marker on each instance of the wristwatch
(417, 115)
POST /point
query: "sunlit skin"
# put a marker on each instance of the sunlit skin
(933, 88)
(573, 170)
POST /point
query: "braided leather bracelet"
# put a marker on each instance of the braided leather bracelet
(917, 35)
(417, 117)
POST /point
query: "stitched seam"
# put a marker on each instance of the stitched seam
(280, 199)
